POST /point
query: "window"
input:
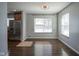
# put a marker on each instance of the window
(42, 25)
(65, 24)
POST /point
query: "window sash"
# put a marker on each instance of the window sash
(65, 25)
(44, 25)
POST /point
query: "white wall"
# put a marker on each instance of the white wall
(30, 27)
(24, 26)
(3, 29)
(73, 40)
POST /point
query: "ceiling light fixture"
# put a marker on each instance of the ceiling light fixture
(44, 6)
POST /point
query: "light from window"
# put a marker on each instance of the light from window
(65, 24)
(42, 25)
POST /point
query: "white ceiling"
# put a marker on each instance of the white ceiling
(36, 7)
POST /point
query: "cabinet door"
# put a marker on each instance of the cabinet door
(17, 15)
(11, 29)
(17, 28)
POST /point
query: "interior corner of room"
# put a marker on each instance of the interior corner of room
(39, 21)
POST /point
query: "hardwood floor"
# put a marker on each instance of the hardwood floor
(40, 47)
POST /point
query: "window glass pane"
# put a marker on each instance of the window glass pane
(39, 21)
(42, 25)
(65, 24)
(39, 30)
(38, 27)
(48, 30)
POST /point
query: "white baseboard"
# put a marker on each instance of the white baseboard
(70, 47)
(41, 38)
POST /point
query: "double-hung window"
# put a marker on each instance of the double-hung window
(65, 24)
(42, 25)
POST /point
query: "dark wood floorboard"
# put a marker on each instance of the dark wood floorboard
(55, 48)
